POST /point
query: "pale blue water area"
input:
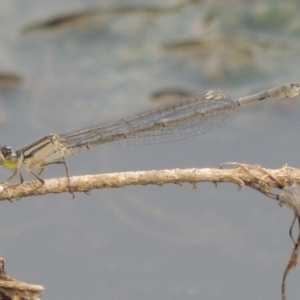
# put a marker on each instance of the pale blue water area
(151, 242)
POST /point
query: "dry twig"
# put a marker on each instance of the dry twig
(12, 289)
(252, 176)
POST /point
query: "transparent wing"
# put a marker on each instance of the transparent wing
(179, 120)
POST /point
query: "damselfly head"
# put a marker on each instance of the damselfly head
(8, 158)
(7, 151)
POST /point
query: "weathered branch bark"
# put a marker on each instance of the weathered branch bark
(12, 289)
(253, 176)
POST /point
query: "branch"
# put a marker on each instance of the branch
(11, 289)
(253, 176)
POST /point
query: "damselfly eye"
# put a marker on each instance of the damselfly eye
(6, 151)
